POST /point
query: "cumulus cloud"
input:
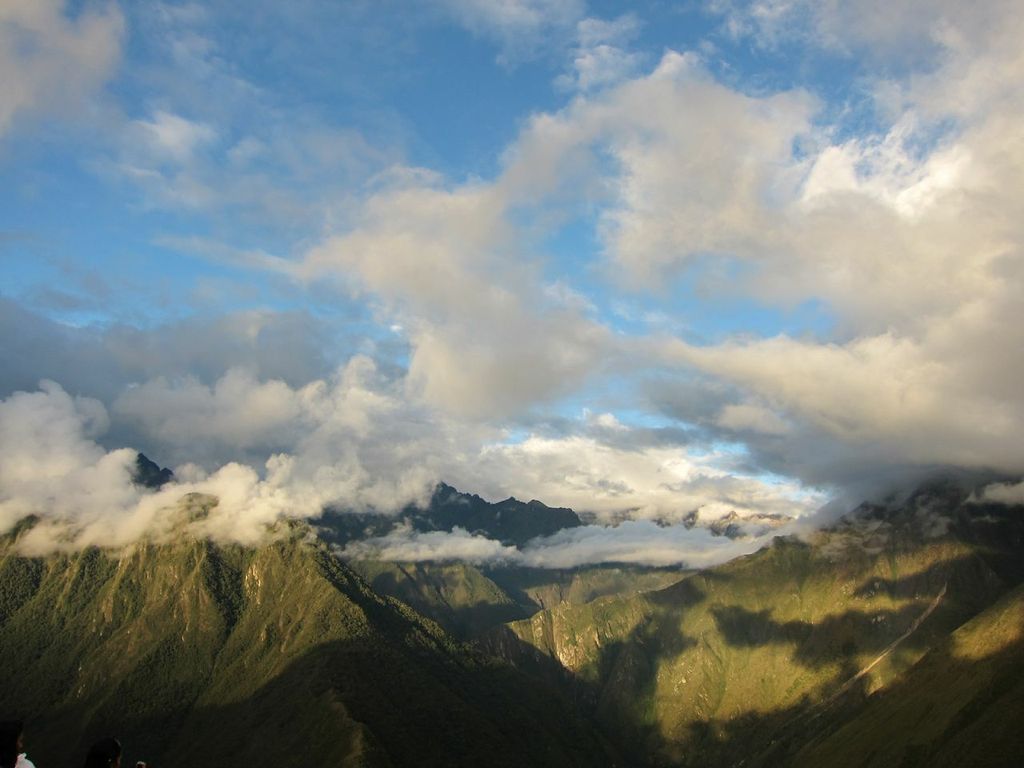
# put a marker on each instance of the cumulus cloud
(51, 62)
(54, 468)
(352, 441)
(910, 237)
(870, 391)
(359, 423)
(52, 464)
(590, 473)
(681, 165)
(447, 265)
(237, 411)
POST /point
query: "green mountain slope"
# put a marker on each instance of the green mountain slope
(745, 662)
(197, 654)
(540, 588)
(458, 596)
(959, 705)
(467, 600)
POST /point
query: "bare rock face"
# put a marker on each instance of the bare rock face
(148, 473)
(512, 522)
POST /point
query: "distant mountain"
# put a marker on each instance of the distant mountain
(202, 655)
(736, 526)
(148, 473)
(511, 521)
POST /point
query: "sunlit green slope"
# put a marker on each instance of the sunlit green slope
(467, 600)
(202, 655)
(959, 705)
(743, 663)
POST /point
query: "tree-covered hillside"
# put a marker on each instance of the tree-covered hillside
(198, 654)
(747, 663)
(893, 637)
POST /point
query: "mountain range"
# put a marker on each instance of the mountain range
(893, 636)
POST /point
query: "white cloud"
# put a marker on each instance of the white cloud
(639, 542)
(407, 545)
(173, 136)
(52, 63)
(54, 468)
(680, 164)
(910, 238)
(237, 411)
(488, 338)
(913, 243)
(600, 58)
(884, 394)
(654, 482)
(520, 27)
(51, 464)
(1004, 493)
(352, 441)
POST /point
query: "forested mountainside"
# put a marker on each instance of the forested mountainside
(894, 637)
(762, 660)
(468, 600)
(960, 705)
(203, 655)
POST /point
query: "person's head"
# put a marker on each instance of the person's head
(10, 742)
(105, 753)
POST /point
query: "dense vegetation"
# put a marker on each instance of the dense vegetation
(754, 661)
(197, 654)
(896, 637)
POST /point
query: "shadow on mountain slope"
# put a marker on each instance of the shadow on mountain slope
(959, 705)
(930, 602)
(197, 654)
(746, 662)
(364, 704)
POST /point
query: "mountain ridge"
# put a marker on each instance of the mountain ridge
(159, 642)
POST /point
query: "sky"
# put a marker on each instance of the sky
(639, 259)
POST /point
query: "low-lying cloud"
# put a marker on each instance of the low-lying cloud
(637, 542)
(349, 442)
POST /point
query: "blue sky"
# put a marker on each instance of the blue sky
(399, 83)
(636, 258)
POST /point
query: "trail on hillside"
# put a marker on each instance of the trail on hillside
(888, 649)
